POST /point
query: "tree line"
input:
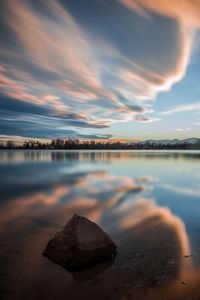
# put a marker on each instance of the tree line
(101, 145)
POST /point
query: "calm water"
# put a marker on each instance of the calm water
(149, 203)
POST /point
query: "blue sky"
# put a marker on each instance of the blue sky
(99, 69)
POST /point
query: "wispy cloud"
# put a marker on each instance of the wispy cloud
(54, 60)
(183, 129)
(187, 15)
(147, 120)
(182, 108)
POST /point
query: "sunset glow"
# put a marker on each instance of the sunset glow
(66, 74)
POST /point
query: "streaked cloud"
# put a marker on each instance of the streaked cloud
(187, 16)
(183, 108)
(8, 83)
(147, 120)
(183, 129)
(93, 76)
(187, 11)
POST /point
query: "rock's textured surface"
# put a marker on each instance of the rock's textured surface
(80, 244)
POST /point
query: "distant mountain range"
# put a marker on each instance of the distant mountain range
(169, 142)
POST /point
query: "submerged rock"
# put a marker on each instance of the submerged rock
(80, 244)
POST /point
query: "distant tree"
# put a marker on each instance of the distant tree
(59, 143)
(26, 145)
(10, 144)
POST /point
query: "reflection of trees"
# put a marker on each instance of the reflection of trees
(106, 156)
(95, 155)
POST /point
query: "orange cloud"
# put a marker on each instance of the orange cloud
(56, 46)
(77, 91)
(187, 15)
(2, 69)
(51, 98)
(5, 82)
(55, 102)
(60, 47)
(186, 11)
(22, 96)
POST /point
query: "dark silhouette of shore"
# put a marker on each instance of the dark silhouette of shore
(99, 145)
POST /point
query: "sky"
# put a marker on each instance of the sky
(99, 69)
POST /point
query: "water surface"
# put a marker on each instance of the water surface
(149, 203)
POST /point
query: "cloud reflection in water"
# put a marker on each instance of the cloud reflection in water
(152, 241)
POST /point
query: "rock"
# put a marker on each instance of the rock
(80, 244)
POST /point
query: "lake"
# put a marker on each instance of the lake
(148, 202)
